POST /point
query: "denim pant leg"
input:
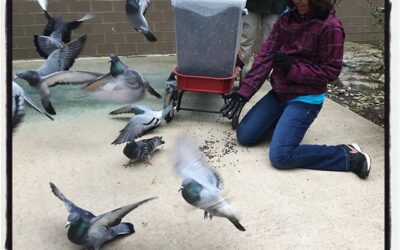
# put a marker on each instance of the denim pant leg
(286, 151)
(259, 120)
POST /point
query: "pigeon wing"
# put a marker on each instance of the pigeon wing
(75, 24)
(43, 45)
(144, 4)
(115, 216)
(69, 77)
(190, 164)
(35, 106)
(132, 130)
(71, 51)
(71, 207)
(63, 58)
(98, 83)
(128, 109)
(43, 4)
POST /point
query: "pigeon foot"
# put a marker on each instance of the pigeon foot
(147, 163)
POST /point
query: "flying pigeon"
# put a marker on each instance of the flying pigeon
(56, 24)
(42, 83)
(60, 59)
(144, 120)
(135, 9)
(201, 185)
(121, 84)
(88, 230)
(19, 98)
(141, 150)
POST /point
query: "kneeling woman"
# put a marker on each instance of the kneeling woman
(304, 51)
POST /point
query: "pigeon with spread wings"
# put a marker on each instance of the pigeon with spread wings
(56, 24)
(122, 84)
(135, 9)
(60, 59)
(88, 230)
(143, 120)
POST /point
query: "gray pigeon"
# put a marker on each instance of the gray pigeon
(201, 185)
(63, 57)
(42, 83)
(19, 98)
(88, 230)
(121, 84)
(141, 150)
(144, 120)
(56, 24)
(59, 60)
(135, 9)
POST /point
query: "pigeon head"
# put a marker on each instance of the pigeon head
(158, 141)
(191, 190)
(114, 58)
(32, 77)
(117, 67)
(77, 228)
(73, 218)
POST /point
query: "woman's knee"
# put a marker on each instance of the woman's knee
(243, 137)
(279, 160)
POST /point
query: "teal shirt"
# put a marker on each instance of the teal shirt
(311, 99)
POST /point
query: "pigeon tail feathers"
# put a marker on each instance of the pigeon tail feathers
(153, 92)
(236, 223)
(48, 106)
(125, 228)
(149, 36)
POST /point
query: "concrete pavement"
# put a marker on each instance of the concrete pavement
(294, 209)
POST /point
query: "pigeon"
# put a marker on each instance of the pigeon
(135, 9)
(144, 120)
(142, 149)
(42, 83)
(121, 84)
(88, 230)
(201, 185)
(63, 57)
(56, 24)
(60, 59)
(19, 98)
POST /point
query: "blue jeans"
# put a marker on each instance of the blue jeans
(289, 122)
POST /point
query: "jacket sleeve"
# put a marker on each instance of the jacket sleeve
(330, 51)
(262, 64)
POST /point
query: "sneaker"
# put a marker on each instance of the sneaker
(360, 162)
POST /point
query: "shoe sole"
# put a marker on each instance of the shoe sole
(356, 146)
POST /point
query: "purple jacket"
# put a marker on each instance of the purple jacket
(316, 49)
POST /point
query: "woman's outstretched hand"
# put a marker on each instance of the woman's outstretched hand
(234, 105)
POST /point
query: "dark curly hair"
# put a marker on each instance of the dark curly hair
(319, 7)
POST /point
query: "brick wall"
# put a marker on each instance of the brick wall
(357, 21)
(110, 32)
